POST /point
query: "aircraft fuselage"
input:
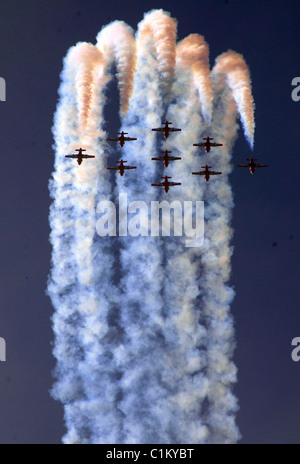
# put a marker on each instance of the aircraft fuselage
(166, 132)
(207, 147)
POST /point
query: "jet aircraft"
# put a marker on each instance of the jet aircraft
(166, 129)
(166, 184)
(206, 173)
(122, 139)
(80, 156)
(207, 144)
(121, 168)
(166, 158)
(252, 165)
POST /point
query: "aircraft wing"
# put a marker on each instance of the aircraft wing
(199, 144)
(129, 167)
(199, 173)
(87, 156)
(172, 129)
(214, 173)
(158, 129)
(158, 185)
(116, 139)
(243, 165)
(128, 139)
(158, 159)
(216, 144)
(174, 183)
(116, 168)
(174, 158)
(261, 166)
(72, 156)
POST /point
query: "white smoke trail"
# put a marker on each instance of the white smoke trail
(81, 320)
(116, 42)
(85, 64)
(181, 287)
(215, 262)
(192, 55)
(160, 29)
(213, 270)
(151, 360)
(236, 71)
(145, 382)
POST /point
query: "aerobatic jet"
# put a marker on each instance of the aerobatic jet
(206, 173)
(121, 168)
(166, 184)
(79, 156)
(122, 139)
(207, 144)
(252, 165)
(166, 158)
(166, 129)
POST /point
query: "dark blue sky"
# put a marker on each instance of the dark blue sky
(35, 37)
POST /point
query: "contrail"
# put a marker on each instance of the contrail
(81, 320)
(144, 382)
(117, 44)
(236, 71)
(144, 337)
(159, 29)
(85, 63)
(192, 54)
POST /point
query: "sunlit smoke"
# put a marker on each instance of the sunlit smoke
(144, 337)
(84, 64)
(192, 54)
(236, 71)
(117, 44)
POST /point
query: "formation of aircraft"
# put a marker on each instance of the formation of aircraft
(206, 173)
(252, 165)
(121, 168)
(207, 144)
(122, 139)
(79, 156)
(166, 129)
(166, 184)
(166, 158)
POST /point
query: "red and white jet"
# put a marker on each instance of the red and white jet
(122, 139)
(252, 165)
(207, 144)
(121, 168)
(166, 184)
(206, 173)
(166, 130)
(79, 156)
(166, 158)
